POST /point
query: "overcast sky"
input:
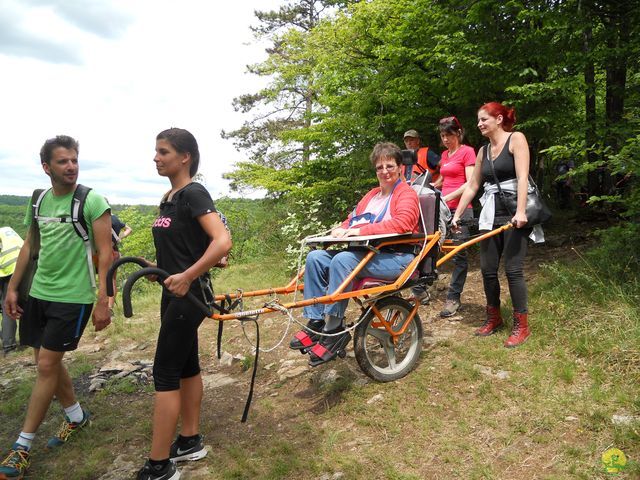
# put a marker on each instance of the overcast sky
(114, 73)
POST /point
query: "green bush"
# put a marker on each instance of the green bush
(617, 258)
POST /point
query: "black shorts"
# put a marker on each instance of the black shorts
(55, 326)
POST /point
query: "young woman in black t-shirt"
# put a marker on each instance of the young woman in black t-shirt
(190, 239)
(509, 153)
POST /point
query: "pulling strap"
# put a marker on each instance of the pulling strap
(247, 405)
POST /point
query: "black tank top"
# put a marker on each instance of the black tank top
(505, 167)
(503, 164)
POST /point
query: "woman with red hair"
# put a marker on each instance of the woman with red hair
(508, 154)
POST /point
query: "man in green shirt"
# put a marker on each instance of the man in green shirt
(61, 297)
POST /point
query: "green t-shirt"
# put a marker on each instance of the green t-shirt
(63, 271)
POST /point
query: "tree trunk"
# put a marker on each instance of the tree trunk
(306, 146)
(593, 187)
(616, 75)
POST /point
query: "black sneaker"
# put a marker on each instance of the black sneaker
(182, 450)
(169, 472)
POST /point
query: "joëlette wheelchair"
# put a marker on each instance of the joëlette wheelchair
(388, 331)
(387, 334)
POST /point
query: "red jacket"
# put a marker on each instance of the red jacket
(403, 208)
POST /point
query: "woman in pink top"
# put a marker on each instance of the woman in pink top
(456, 167)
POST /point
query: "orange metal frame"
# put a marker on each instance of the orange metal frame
(339, 294)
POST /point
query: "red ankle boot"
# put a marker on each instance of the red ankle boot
(520, 331)
(492, 323)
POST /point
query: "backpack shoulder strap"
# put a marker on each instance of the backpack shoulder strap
(36, 200)
(182, 205)
(80, 226)
(77, 211)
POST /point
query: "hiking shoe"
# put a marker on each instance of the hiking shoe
(182, 450)
(451, 306)
(67, 429)
(7, 350)
(169, 472)
(421, 296)
(16, 463)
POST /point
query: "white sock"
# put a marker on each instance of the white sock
(74, 413)
(26, 439)
(331, 322)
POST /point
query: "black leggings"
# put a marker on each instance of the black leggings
(177, 350)
(511, 244)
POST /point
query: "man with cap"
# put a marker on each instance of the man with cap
(428, 160)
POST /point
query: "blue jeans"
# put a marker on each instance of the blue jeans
(326, 269)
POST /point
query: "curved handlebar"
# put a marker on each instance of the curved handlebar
(140, 261)
(162, 275)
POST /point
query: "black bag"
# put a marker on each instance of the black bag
(536, 210)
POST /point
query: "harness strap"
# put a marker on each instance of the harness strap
(226, 306)
(222, 308)
(247, 405)
(219, 340)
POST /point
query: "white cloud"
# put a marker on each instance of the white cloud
(113, 74)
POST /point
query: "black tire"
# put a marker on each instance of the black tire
(375, 351)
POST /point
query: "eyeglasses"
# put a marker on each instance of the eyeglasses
(452, 119)
(388, 168)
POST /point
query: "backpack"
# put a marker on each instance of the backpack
(75, 217)
(224, 261)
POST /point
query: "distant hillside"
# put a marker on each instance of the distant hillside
(255, 224)
(12, 214)
(12, 211)
(13, 200)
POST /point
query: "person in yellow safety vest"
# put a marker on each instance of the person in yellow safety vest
(10, 245)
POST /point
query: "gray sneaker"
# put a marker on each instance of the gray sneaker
(450, 308)
(421, 296)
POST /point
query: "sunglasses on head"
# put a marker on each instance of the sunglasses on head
(452, 119)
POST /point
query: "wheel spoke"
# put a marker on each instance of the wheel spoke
(391, 355)
(380, 334)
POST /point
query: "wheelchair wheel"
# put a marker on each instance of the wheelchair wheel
(376, 352)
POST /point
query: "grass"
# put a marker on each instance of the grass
(549, 419)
